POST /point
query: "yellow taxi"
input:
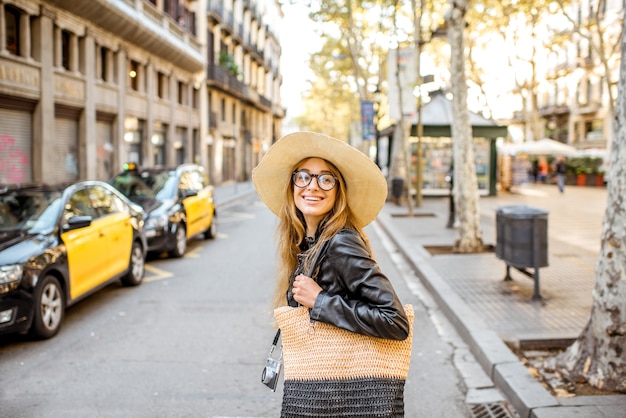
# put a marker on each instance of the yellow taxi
(178, 201)
(59, 244)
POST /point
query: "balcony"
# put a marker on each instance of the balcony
(225, 80)
(587, 108)
(143, 25)
(553, 110)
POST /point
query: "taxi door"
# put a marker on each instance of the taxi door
(115, 224)
(196, 205)
(86, 246)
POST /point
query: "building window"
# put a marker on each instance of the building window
(179, 145)
(12, 23)
(133, 75)
(169, 6)
(191, 25)
(104, 64)
(158, 148)
(195, 98)
(223, 110)
(161, 80)
(65, 49)
(181, 92)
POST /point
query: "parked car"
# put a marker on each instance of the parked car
(178, 201)
(59, 244)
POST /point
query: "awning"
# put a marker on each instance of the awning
(545, 146)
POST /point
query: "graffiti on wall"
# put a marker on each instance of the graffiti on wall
(13, 161)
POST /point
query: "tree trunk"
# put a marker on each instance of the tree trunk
(598, 356)
(469, 236)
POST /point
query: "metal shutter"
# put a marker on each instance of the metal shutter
(64, 159)
(16, 145)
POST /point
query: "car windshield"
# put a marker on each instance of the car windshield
(147, 185)
(31, 211)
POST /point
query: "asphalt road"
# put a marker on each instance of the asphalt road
(191, 341)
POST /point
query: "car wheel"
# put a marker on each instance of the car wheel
(180, 236)
(211, 231)
(136, 266)
(49, 308)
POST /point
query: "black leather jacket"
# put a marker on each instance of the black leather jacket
(356, 294)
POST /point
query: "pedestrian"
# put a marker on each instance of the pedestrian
(325, 192)
(561, 173)
(535, 170)
(543, 170)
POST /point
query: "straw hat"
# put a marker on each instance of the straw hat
(366, 186)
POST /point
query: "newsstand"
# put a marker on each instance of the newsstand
(522, 240)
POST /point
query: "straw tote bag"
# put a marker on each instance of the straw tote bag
(331, 372)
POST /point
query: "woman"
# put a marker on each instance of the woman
(324, 192)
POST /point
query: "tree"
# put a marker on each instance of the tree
(329, 107)
(517, 25)
(329, 102)
(469, 235)
(601, 38)
(598, 356)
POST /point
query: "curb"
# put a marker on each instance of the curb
(222, 203)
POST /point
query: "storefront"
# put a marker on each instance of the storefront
(436, 143)
(437, 164)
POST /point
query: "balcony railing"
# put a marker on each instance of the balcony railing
(144, 25)
(225, 78)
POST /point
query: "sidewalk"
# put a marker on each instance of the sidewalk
(487, 311)
(231, 192)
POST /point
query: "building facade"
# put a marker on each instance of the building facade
(87, 86)
(577, 86)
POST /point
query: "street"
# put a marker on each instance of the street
(191, 341)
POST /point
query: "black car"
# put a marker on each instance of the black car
(178, 201)
(59, 244)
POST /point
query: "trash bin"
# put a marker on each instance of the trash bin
(522, 240)
(397, 184)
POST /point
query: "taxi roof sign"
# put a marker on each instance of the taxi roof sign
(130, 167)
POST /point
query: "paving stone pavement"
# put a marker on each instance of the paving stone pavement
(566, 284)
(489, 311)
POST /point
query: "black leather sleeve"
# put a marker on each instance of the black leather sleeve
(357, 295)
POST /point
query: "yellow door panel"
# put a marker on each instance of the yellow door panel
(87, 257)
(118, 232)
(207, 207)
(203, 211)
(192, 208)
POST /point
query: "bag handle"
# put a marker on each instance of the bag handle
(318, 256)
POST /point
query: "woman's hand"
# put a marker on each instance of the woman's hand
(305, 290)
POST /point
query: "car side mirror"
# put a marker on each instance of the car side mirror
(77, 222)
(189, 193)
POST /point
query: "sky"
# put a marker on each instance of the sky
(298, 40)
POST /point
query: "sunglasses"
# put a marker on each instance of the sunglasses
(303, 178)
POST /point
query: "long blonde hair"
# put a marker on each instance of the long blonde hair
(291, 232)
